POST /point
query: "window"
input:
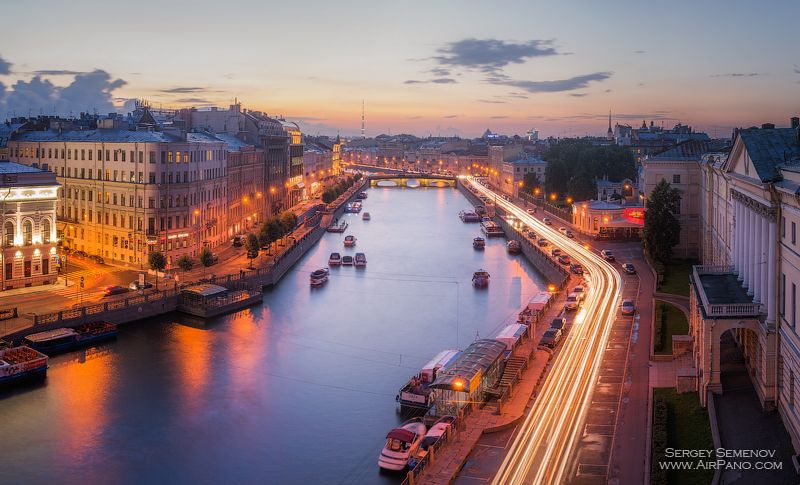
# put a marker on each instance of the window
(794, 303)
(46, 231)
(151, 202)
(99, 155)
(108, 175)
(141, 157)
(99, 174)
(9, 232)
(83, 154)
(83, 172)
(108, 155)
(141, 177)
(115, 175)
(91, 193)
(152, 157)
(83, 194)
(115, 199)
(90, 154)
(152, 177)
(783, 227)
(794, 233)
(27, 233)
(163, 157)
(133, 176)
(140, 201)
(69, 154)
(50, 153)
(116, 155)
(783, 295)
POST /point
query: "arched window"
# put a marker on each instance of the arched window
(9, 233)
(46, 231)
(27, 233)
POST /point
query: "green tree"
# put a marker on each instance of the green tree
(661, 231)
(328, 196)
(530, 182)
(357, 177)
(157, 263)
(185, 263)
(582, 187)
(206, 258)
(556, 177)
(289, 221)
(251, 245)
(264, 236)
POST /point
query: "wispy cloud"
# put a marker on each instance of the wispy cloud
(5, 67)
(640, 52)
(737, 74)
(453, 116)
(489, 101)
(435, 81)
(578, 95)
(498, 117)
(183, 90)
(193, 101)
(491, 54)
(58, 73)
(570, 84)
(437, 71)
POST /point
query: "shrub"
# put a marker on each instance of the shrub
(658, 475)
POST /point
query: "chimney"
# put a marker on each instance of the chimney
(768, 126)
(795, 122)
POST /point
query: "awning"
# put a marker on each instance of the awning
(401, 434)
(620, 223)
(299, 185)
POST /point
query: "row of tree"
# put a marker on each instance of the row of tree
(333, 193)
(573, 165)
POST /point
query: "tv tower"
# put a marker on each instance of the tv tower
(362, 119)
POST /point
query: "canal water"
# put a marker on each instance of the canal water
(300, 389)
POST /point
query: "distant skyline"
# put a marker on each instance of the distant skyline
(424, 68)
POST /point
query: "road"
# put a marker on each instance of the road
(539, 452)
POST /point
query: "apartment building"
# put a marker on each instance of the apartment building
(247, 199)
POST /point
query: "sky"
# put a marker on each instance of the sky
(438, 68)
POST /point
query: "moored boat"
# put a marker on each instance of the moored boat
(415, 397)
(401, 444)
(514, 246)
(360, 259)
(21, 363)
(480, 277)
(490, 228)
(347, 261)
(349, 241)
(478, 243)
(353, 207)
(365, 216)
(335, 259)
(65, 339)
(319, 276)
(468, 215)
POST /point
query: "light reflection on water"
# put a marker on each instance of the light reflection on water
(299, 389)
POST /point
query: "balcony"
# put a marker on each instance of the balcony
(721, 295)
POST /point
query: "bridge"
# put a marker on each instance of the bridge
(412, 180)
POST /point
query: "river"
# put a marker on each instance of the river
(300, 389)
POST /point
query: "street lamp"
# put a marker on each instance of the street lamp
(197, 228)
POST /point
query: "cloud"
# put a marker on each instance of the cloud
(491, 54)
(58, 73)
(193, 101)
(640, 52)
(414, 117)
(453, 116)
(498, 117)
(577, 82)
(578, 95)
(411, 81)
(435, 81)
(5, 67)
(183, 90)
(488, 101)
(439, 71)
(735, 75)
(87, 92)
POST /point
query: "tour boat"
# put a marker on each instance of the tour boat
(22, 363)
(401, 444)
(64, 339)
(335, 259)
(349, 241)
(415, 397)
(468, 215)
(362, 195)
(478, 243)
(365, 216)
(360, 259)
(319, 276)
(514, 246)
(480, 277)
(490, 228)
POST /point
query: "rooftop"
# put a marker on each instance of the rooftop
(723, 288)
(7, 166)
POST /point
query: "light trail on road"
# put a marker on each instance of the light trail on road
(540, 450)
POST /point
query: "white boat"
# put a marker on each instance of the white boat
(480, 277)
(335, 259)
(514, 247)
(490, 228)
(365, 216)
(478, 243)
(319, 276)
(401, 444)
(360, 259)
(349, 241)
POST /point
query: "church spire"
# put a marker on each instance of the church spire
(610, 134)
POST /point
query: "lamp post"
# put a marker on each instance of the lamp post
(197, 228)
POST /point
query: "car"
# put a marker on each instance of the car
(558, 323)
(572, 302)
(531, 211)
(580, 291)
(628, 308)
(568, 233)
(542, 242)
(564, 259)
(555, 252)
(607, 255)
(97, 259)
(576, 268)
(525, 228)
(80, 254)
(547, 221)
(551, 338)
(135, 286)
(238, 241)
(562, 230)
(531, 235)
(114, 290)
(628, 268)
(214, 258)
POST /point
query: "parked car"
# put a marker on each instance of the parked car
(555, 252)
(576, 268)
(551, 338)
(628, 307)
(114, 290)
(531, 211)
(562, 230)
(568, 233)
(238, 241)
(607, 255)
(558, 323)
(628, 268)
(572, 302)
(542, 242)
(546, 220)
(97, 259)
(214, 258)
(80, 254)
(135, 286)
(579, 290)
(564, 259)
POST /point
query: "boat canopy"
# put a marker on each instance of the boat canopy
(441, 360)
(511, 334)
(49, 334)
(204, 290)
(541, 301)
(470, 364)
(401, 434)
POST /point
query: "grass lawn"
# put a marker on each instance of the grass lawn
(676, 277)
(675, 323)
(688, 428)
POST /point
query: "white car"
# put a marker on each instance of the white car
(531, 211)
(572, 302)
(546, 221)
(562, 230)
(578, 290)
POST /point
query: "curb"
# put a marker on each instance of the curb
(712, 416)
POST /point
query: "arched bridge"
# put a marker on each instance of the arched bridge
(412, 180)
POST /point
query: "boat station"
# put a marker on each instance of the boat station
(209, 300)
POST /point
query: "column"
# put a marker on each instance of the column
(745, 259)
(765, 263)
(756, 278)
(751, 254)
(737, 239)
(772, 266)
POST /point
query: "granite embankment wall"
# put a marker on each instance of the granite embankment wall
(146, 306)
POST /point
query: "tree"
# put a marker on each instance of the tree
(530, 182)
(328, 196)
(582, 187)
(157, 262)
(556, 177)
(264, 236)
(289, 221)
(251, 245)
(185, 263)
(206, 258)
(661, 231)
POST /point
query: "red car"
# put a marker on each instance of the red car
(114, 290)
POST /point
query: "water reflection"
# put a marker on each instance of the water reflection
(299, 389)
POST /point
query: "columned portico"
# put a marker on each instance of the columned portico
(757, 235)
(772, 258)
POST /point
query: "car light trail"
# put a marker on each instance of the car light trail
(540, 450)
